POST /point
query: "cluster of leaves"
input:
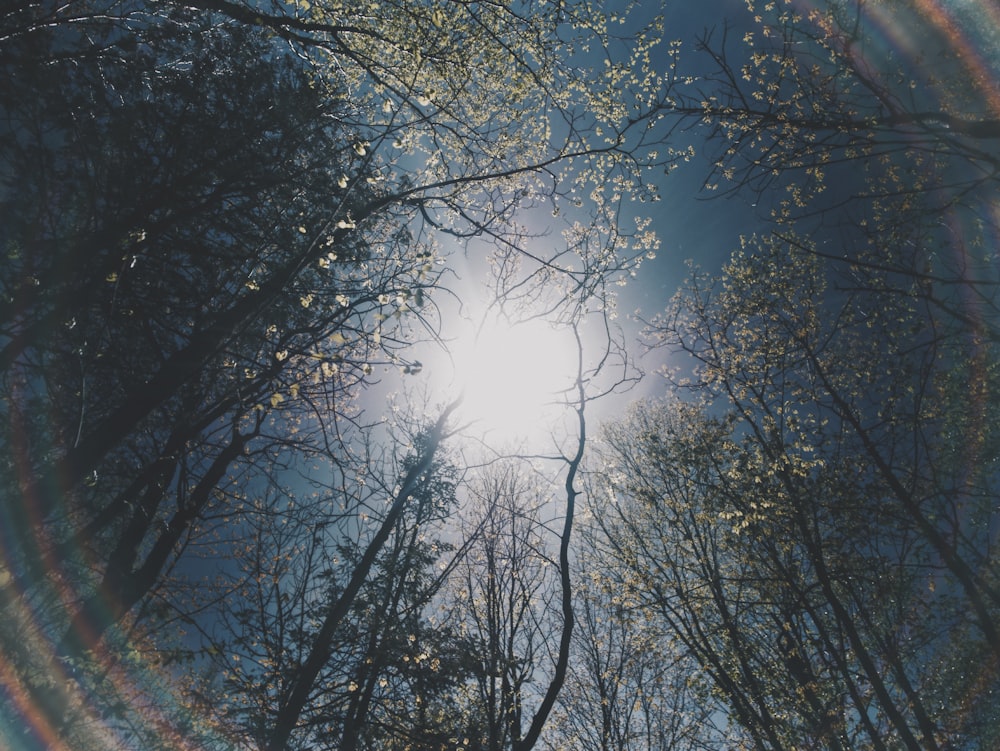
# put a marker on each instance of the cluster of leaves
(808, 104)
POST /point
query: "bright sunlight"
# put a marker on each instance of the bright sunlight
(514, 376)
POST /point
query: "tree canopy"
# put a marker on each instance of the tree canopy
(244, 504)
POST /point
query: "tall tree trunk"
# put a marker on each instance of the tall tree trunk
(562, 660)
(305, 675)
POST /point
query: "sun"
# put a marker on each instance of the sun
(514, 376)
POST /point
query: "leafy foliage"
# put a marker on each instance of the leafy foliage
(227, 224)
(807, 549)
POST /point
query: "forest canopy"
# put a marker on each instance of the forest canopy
(328, 423)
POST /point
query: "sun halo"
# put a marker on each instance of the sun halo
(514, 376)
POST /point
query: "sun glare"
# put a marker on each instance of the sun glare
(514, 377)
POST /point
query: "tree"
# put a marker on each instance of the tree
(830, 467)
(892, 162)
(803, 94)
(627, 688)
(332, 607)
(222, 230)
(502, 599)
(173, 352)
